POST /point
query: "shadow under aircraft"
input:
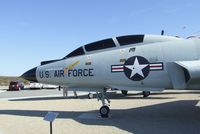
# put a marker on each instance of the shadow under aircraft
(177, 117)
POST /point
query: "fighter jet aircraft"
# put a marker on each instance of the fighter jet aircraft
(132, 62)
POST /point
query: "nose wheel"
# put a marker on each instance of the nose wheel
(104, 111)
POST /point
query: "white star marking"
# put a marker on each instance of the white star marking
(136, 68)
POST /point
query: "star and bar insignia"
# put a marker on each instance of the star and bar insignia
(137, 68)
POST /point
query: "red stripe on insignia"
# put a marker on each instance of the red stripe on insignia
(117, 68)
(156, 66)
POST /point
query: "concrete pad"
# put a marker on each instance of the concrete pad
(2, 91)
(174, 112)
(3, 87)
(92, 116)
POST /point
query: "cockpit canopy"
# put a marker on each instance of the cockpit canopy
(106, 44)
(98, 45)
(130, 39)
(112, 43)
(77, 52)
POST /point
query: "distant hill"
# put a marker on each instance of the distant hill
(4, 81)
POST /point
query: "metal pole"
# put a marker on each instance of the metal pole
(50, 127)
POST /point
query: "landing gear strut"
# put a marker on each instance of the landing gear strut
(124, 92)
(104, 110)
(146, 93)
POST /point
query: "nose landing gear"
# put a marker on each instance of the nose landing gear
(104, 110)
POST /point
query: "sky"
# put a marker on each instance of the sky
(32, 31)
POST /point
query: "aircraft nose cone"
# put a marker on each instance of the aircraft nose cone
(30, 75)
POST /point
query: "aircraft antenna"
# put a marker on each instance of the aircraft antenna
(162, 32)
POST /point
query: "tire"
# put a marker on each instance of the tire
(104, 111)
(146, 93)
(124, 92)
(90, 96)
